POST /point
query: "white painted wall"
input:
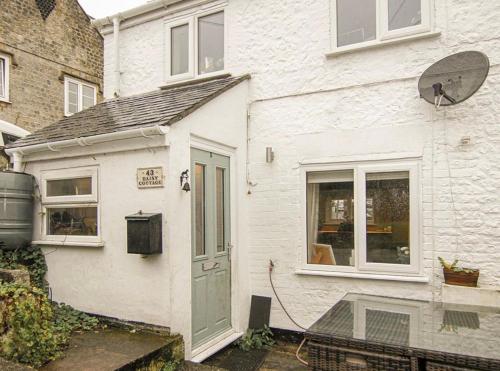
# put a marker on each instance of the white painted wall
(156, 290)
(107, 280)
(357, 105)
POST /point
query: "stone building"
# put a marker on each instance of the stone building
(51, 63)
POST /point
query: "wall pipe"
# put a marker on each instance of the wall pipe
(116, 52)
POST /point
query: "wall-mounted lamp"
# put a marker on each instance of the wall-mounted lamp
(269, 155)
(185, 181)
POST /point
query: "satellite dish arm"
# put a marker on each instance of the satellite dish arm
(439, 91)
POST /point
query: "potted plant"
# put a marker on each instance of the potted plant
(455, 275)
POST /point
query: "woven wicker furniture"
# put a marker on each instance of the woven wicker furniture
(365, 332)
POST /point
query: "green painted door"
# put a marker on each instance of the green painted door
(211, 264)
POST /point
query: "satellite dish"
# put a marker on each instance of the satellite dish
(454, 79)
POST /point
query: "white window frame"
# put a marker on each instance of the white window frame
(54, 202)
(383, 35)
(5, 96)
(80, 84)
(360, 264)
(192, 21)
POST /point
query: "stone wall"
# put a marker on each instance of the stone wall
(42, 53)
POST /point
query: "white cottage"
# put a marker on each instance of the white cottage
(364, 184)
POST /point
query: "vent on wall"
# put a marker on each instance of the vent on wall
(45, 7)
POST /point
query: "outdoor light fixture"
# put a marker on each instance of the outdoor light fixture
(185, 181)
(269, 155)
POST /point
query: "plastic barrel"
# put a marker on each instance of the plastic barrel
(16, 210)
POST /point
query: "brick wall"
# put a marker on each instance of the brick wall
(42, 52)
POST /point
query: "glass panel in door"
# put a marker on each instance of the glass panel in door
(199, 207)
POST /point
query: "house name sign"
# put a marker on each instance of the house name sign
(150, 177)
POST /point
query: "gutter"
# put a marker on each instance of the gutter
(148, 7)
(17, 153)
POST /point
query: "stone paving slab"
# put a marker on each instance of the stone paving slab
(9, 366)
(107, 350)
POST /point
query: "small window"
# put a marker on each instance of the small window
(79, 95)
(4, 77)
(195, 46)
(363, 218)
(211, 43)
(180, 49)
(70, 204)
(360, 23)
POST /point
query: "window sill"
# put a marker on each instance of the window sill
(68, 243)
(6, 101)
(173, 83)
(354, 48)
(366, 276)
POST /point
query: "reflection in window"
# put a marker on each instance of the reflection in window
(404, 13)
(179, 49)
(199, 194)
(356, 21)
(75, 221)
(211, 43)
(69, 187)
(330, 215)
(388, 217)
(220, 191)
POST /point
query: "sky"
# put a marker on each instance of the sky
(103, 8)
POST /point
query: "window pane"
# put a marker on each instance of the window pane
(75, 221)
(2, 77)
(404, 13)
(388, 217)
(179, 56)
(72, 97)
(211, 43)
(199, 204)
(88, 96)
(356, 21)
(69, 187)
(220, 191)
(330, 218)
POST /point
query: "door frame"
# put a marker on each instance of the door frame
(208, 145)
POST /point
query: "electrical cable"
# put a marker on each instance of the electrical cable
(271, 266)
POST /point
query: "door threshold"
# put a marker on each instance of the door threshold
(212, 346)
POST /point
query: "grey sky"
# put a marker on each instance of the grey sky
(103, 8)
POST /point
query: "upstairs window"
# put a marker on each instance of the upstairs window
(4, 77)
(78, 95)
(196, 46)
(358, 23)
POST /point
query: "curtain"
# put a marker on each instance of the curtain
(312, 216)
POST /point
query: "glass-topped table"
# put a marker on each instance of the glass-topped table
(380, 333)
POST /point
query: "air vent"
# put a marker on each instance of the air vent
(46, 7)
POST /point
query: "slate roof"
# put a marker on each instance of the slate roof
(160, 107)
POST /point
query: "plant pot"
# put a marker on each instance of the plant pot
(460, 278)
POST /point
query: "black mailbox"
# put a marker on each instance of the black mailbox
(144, 234)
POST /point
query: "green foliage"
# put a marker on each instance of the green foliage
(30, 258)
(256, 339)
(27, 333)
(67, 320)
(161, 365)
(453, 266)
